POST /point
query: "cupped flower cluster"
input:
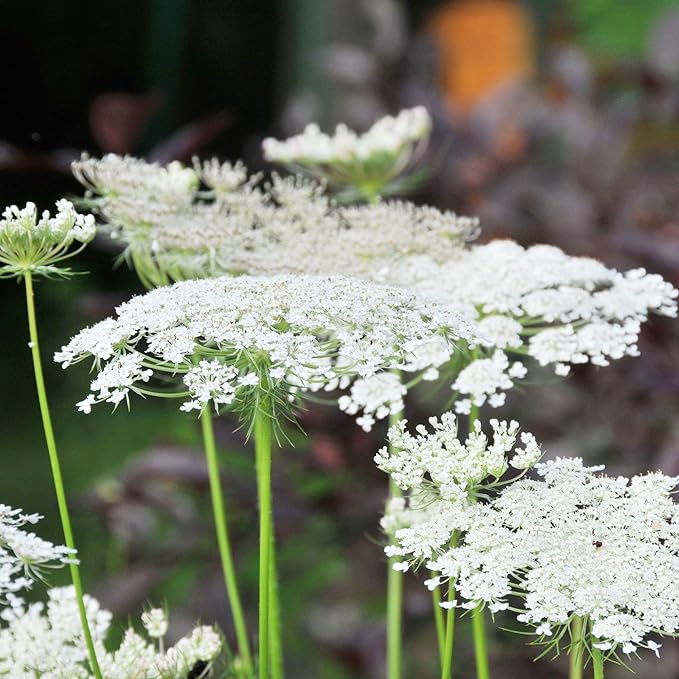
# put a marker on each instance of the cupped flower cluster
(229, 340)
(38, 243)
(241, 225)
(115, 176)
(444, 476)
(24, 555)
(576, 543)
(46, 640)
(368, 162)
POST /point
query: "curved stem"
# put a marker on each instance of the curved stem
(56, 469)
(480, 647)
(262, 433)
(576, 650)
(598, 663)
(225, 554)
(447, 658)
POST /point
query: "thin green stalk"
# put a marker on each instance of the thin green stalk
(480, 647)
(262, 433)
(394, 609)
(275, 643)
(225, 554)
(394, 596)
(576, 650)
(598, 663)
(440, 623)
(56, 468)
(478, 621)
(447, 668)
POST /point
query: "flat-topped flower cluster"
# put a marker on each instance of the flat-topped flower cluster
(23, 555)
(575, 543)
(572, 543)
(244, 226)
(46, 640)
(280, 333)
(535, 303)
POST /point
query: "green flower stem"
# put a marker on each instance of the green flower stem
(480, 646)
(275, 643)
(56, 468)
(394, 595)
(225, 554)
(394, 608)
(478, 621)
(440, 623)
(447, 667)
(262, 433)
(576, 649)
(598, 663)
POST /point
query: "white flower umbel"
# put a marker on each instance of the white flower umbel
(576, 544)
(24, 555)
(536, 304)
(45, 640)
(113, 176)
(444, 476)
(242, 226)
(228, 339)
(368, 163)
(38, 243)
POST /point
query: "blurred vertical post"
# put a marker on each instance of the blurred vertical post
(306, 31)
(166, 40)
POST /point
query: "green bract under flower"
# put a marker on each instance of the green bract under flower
(235, 342)
(38, 243)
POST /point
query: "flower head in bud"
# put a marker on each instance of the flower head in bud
(36, 243)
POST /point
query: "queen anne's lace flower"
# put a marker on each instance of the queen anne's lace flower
(37, 243)
(46, 640)
(576, 544)
(289, 226)
(228, 336)
(23, 554)
(536, 302)
(366, 161)
(443, 476)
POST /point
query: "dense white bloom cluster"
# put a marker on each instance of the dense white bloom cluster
(37, 242)
(539, 303)
(113, 175)
(46, 640)
(444, 476)
(229, 335)
(288, 226)
(575, 543)
(385, 149)
(23, 554)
